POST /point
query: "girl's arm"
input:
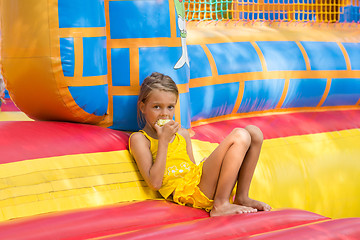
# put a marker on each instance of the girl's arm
(189, 149)
(151, 172)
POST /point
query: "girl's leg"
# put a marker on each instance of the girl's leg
(221, 171)
(247, 171)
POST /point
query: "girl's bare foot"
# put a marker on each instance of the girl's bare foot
(261, 206)
(229, 208)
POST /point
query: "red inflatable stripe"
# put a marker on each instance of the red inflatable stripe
(225, 227)
(283, 125)
(48, 139)
(30, 140)
(346, 228)
(151, 220)
(87, 223)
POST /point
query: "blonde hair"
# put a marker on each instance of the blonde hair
(156, 81)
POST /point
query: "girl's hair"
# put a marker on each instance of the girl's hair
(156, 81)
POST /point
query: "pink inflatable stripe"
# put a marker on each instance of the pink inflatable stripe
(94, 222)
(9, 106)
(283, 125)
(154, 219)
(48, 139)
(346, 228)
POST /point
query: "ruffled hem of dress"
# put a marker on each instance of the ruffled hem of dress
(187, 188)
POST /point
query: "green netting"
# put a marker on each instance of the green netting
(208, 9)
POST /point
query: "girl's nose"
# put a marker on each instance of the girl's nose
(164, 113)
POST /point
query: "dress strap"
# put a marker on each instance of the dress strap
(151, 139)
(146, 135)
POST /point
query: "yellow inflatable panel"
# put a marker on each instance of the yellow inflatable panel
(317, 172)
(69, 182)
(306, 174)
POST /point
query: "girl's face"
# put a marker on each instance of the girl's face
(159, 105)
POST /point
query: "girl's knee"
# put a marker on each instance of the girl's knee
(255, 133)
(241, 136)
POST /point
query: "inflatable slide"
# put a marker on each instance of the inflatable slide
(291, 68)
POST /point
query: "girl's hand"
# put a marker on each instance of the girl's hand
(167, 132)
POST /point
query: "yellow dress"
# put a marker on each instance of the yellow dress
(182, 176)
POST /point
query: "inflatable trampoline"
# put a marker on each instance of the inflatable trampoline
(291, 68)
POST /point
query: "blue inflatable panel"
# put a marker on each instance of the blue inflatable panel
(163, 60)
(199, 63)
(350, 13)
(80, 13)
(92, 99)
(227, 54)
(282, 55)
(139, 19)
(120, 59)
(304, 92)
(324, 56)
(214, 100)
(125, 113)
(289, 1)
(184, 99)
(260, 95)
(343, 91)
(67, 56)
(353, 51)
(265, 16)
(95, 61)
(7, 94)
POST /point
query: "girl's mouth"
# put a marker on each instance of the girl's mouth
(162, 122)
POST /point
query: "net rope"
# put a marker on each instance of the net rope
(329, 11)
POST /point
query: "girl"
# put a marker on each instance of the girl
(165, 158)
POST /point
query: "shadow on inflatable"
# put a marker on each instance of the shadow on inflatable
(76, 70)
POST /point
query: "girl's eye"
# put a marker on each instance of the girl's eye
(171, 107)
(156, 107)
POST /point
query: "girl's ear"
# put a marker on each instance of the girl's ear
(142, 107)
